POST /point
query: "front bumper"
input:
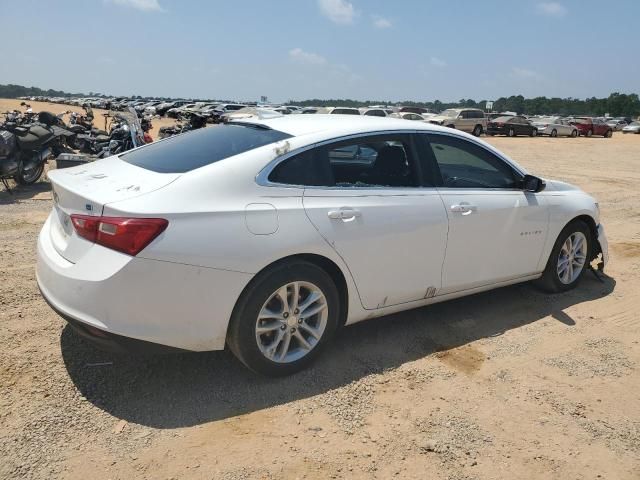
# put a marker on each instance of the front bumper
(604, 246)
(169, 304)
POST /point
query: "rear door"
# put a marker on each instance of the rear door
(374, 210)
(496, 230)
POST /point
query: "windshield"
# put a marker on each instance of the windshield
(634, 124)
(450, 113)
(198, 148)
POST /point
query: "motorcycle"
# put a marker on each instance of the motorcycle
(24, 149)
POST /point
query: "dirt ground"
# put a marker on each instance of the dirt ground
(508, 384)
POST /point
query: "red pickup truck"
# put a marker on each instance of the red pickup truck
(588, 126)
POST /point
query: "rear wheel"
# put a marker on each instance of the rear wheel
(511, 133)
(534, 133)
(609, 134)
(554, 133)
(589, 133)
(477, 131)
(284, 319)
(28, 176)
(574, 133)
(568, 260)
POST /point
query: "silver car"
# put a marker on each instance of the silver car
(633, 127)
(555, 126)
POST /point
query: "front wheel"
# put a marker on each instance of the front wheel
(477, 131)
(609, 134)
(554, 133)
(568, 260)
(284, 319)
(589, 133)
(574, 133)
(534, 133)
(511, 133)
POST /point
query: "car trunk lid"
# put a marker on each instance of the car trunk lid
(86, 189)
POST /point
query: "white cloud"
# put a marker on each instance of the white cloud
(307, 58)
(525, 74)
(381, 22)
(338, 11)
(437, 62)
(144, 5)
(551, 9)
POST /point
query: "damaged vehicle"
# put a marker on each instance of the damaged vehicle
(268, 235)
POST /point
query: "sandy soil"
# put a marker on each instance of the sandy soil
(507, 384)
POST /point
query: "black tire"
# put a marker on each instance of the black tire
(241, 334)
(511, 133)
(589, 133)
(609, 134)
(534, 133)
(477, 130)
(554, 133)
(574, 133)
(550, 280)
(28, 177)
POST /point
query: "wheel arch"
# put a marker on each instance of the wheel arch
(326, 264)
(593, 230)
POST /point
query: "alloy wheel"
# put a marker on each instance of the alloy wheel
(572, 258)
(291, 322)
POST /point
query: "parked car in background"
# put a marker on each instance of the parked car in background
(633, 127)
(470, 120)
(408, 116)
(418, 110)
(342, 111)
(376, 112)
(223, 108)
(617, 124)
(216, 248)
(511, 127)
(589, 126)
(554, 127)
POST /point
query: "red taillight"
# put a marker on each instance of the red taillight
(128, 235)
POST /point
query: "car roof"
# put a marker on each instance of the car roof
(339, 125)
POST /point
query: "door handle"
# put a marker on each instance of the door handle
(464, 208)
(345, 213)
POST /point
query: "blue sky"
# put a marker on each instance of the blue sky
(295, 49)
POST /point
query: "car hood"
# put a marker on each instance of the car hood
(631, 128)
(440, 118)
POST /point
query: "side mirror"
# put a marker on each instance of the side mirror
(533, 184)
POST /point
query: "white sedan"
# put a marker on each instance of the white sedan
(268, 235)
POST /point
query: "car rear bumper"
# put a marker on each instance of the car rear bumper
(168, 304)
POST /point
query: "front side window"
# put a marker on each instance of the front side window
(378, 161)
(463, 164)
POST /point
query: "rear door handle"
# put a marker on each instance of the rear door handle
(464, 208)
(345, 213)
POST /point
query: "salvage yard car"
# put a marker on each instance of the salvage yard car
(471, 120)
(511, 127)
(267, 235)
(554, 127)
(588, 126)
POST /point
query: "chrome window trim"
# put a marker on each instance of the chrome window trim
(262, 178)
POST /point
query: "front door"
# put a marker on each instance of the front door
(496, 230)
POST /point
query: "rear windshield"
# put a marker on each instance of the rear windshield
(196, 149)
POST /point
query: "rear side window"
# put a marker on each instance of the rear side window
(205, 146)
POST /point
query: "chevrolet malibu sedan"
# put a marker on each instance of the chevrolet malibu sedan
(270, 234)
